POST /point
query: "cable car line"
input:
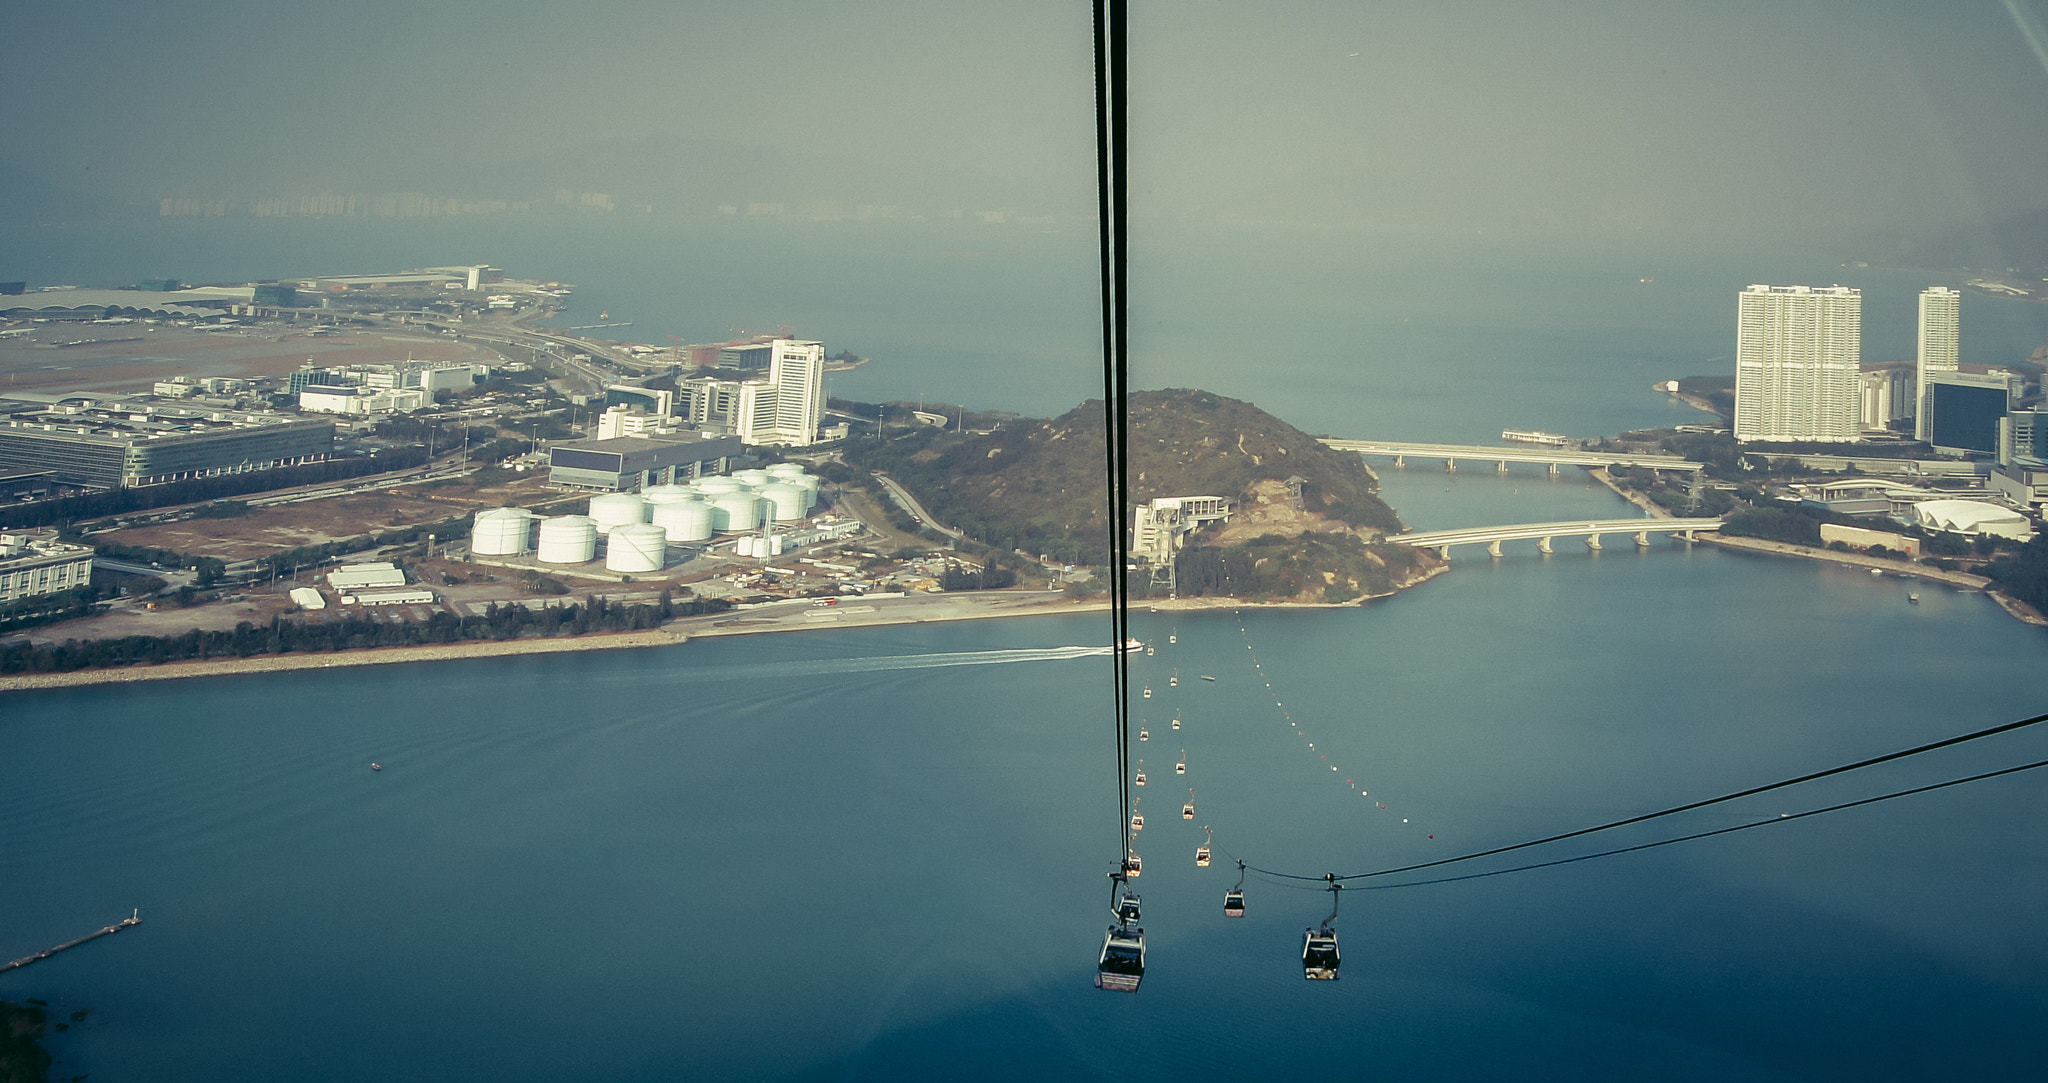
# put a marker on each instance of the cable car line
(1783, 817)
(1751, 792)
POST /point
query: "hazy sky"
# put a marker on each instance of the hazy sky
(1735, 118)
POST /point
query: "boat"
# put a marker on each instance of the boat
(376, 767)
(1913, 598)
(1531, 436)
(1134, 644)
(1206, 677)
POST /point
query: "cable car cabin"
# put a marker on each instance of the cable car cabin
(1201, 857)
(1172, 638)
(1122, 965)
(1144, 734)
(1176, 722)
(1233, 903)
(1181, 768)
(1127, 909)
(1173, 681)
(1148, 691)
(1319, 960)
(1187, 811)
(1141, 778)
(1137, 821)
(1134, 866)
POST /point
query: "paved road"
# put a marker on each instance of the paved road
(909, 503)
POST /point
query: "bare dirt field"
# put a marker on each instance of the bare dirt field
(269, 530)
(35, 364)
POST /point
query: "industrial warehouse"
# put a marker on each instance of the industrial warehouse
(118, 445)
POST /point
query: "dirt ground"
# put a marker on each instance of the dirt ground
(32, 363)
(264, 531)
(1271, 511)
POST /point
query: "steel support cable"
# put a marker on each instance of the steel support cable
(1751, 792)
(1110, 201)
(1782, 818)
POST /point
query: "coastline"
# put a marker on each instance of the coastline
(2018, 610)
(222, 667)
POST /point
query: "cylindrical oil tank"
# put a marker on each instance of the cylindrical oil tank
(745, 546)
(500, 532)
(735, 511)
(775, 545)
(784, 502)
(785, 470)
(636, 547)
(753, 479)
(716, 485)
(685, 520)
(617, 509)
(567, 539)
(810, 482)
(667, 494)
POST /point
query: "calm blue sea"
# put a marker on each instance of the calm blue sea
(880, 854)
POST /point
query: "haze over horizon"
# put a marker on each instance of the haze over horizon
(1830, 123)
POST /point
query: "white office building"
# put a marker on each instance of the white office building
(1797, 356)
(785, 408)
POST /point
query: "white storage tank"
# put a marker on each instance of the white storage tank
(667, 494)
(752, 479)
(685, 520)
(567, 539)
(784, 503)
(775, 545)
(500, 532)
(785, 470)
(810, 482)
(745, 546)
(617, 509)
(735, 511)
(714, 486)
(636, 547)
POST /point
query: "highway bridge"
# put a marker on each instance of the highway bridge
(1591, 530)
(1555, 457)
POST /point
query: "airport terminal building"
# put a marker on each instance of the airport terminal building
(113, 448)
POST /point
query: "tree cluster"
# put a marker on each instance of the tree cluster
(352, 632)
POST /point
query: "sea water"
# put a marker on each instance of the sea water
(845, 854)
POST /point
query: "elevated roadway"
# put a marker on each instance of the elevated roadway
(1543, 533)
(1399, 450)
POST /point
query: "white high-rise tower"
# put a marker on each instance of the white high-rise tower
(1941, 321)
(1796, 355)
(797, 372)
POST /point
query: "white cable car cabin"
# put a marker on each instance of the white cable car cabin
(1187, 811)
(1144, 734)
(1173, 681)
(1319, 957)
(1201, 857)
(1181, 768)
(1233, 903)
(1148, 691)
(1134, 866)
(1122, 965)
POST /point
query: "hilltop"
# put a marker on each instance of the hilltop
(1038, 486)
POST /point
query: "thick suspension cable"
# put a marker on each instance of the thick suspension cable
(1782, 818)
(1110, 203)
(1873, 761)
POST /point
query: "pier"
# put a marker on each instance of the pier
(132, 919)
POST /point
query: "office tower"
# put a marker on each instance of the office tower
(1941, 321)
(1797, 352)
(797, 372)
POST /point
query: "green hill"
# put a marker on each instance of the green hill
(1038, 486)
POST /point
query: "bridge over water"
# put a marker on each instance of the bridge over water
(1399, 450)
(1591, 530)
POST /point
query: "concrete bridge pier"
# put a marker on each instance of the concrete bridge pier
(1501, 466)
(1643, 539)
(1400, 460)
(1451, 465)
(1444, 551)
(1543, 546)
(1493, 547)
(1688, 535)
(1553, 469)
(1592, 541)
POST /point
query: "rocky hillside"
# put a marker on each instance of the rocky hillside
(1039, 486)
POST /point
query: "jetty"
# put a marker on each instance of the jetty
(132, 919)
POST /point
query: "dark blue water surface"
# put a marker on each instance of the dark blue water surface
(880, 854)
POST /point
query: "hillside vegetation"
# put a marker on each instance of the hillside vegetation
(1039, 487)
